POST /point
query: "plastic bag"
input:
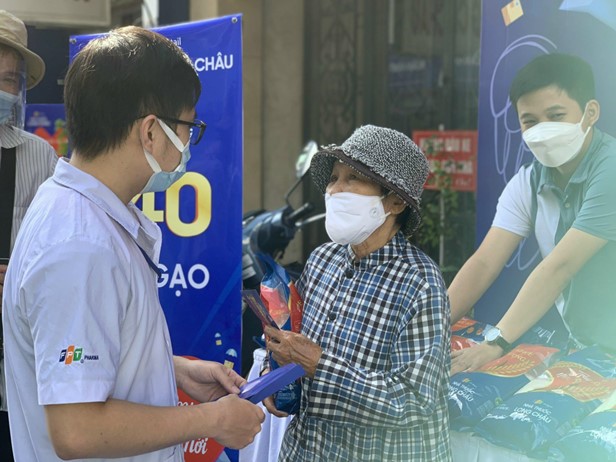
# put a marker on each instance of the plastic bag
(286, 307)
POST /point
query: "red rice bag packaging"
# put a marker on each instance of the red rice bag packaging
(466, 333)
(549, 406)
(594, 439)
(473, 394)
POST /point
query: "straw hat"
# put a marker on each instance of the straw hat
(387, 157)
(14, 34)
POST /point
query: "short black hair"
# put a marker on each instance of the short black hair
(117, 78)
(567, 72)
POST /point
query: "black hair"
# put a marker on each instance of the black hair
(115, 79)
(567, 72)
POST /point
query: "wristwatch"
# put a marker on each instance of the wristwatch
(495, 337)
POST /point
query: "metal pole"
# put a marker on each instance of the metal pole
(441, 239)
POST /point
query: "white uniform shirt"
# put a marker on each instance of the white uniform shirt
(82, 318)
(514, 214)
(35, 161)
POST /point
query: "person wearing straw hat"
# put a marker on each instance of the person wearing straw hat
(375, 333)
(26, 160)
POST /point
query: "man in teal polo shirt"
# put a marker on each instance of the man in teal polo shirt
(567, 198)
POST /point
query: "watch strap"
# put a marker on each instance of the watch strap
(501, 342)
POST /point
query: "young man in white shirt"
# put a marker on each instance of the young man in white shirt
(90, 371)
(566, 197)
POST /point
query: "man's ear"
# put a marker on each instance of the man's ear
(593, 111)
(146, 132)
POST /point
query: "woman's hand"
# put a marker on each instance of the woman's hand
(289, 347)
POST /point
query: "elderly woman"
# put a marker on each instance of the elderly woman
(375, 333)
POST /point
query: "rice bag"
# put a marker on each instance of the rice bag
(466, 333)
(548, 407)
(284, 304)
(473, 394)
(593, 440)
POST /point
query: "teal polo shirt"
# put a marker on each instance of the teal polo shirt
(588, 204)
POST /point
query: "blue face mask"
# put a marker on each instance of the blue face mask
(7, 102)
(161, 180)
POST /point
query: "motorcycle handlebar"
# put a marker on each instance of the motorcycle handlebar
(298, 214)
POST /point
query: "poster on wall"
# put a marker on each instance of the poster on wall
(513, 33)
(452, 151)
(49, 122)
(200, 215)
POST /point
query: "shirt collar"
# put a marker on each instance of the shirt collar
(10, 136)
(145, 233)
(581, 172)
(388, 252)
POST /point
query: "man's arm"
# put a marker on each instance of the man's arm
(536, 296)
(480, 270)
(547, 281)
(121, 429)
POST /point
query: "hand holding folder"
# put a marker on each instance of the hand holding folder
(257, 390)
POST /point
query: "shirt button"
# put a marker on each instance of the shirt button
(331, 316)
(567, 205)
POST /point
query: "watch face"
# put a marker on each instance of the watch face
(492, 334)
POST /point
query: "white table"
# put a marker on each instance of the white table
(468, 448)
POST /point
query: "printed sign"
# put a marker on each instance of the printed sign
(455, 153)
(49, 122)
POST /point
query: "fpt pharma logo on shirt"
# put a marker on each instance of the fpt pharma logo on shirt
(72, 354)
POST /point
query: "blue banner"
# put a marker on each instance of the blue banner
(201, 214)
(513, 33)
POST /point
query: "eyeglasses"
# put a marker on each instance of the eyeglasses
(197, 128)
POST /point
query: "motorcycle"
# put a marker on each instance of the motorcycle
(271, 232)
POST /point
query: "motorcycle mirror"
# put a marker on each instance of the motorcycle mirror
(303, 161)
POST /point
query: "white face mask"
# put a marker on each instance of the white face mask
(351, 218)
(161, 180)
(555, 143)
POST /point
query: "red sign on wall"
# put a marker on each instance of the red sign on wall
(453, 152)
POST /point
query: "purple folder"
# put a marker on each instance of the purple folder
(258, 389)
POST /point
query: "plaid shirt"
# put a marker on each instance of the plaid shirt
(380, 388)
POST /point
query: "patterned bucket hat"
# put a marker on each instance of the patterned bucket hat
(388, 157)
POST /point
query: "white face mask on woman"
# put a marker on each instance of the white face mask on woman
(351, 218)
(555, 143)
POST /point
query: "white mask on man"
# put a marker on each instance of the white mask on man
(161, 180)
(555, 143)
(351, 218)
